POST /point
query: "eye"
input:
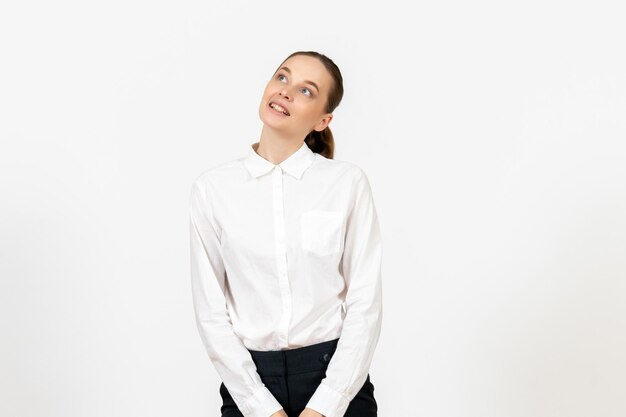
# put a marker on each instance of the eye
(308, 93)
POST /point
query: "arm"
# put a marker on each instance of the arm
(361, 265)
(227, 352)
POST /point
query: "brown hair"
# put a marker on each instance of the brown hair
(323, 142)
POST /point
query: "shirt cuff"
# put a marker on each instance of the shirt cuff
(261, 404)
(328, 402)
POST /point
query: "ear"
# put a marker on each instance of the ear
(324, 122)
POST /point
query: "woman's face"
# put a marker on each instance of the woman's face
(301, 87)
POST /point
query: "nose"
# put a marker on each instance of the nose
(285, 93)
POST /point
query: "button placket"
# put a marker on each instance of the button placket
(281, 255)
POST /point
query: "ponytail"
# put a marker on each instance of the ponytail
(321, 142)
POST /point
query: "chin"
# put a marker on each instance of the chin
(270, 120)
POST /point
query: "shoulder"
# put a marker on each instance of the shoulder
(217, 173)
(355, 178)
(341, 169)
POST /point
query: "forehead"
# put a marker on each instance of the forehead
(308, 68)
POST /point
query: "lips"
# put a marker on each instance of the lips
(281, 105)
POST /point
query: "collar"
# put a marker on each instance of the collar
(294, 165)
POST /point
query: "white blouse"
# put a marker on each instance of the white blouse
(285, 256)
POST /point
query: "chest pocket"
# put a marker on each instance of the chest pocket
(321, 231)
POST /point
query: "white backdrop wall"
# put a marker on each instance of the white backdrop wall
(493, 136)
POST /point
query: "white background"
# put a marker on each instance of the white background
(493, 136)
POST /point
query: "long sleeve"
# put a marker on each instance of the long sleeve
(361, 265)
(226, 351)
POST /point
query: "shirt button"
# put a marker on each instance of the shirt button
(325, 358)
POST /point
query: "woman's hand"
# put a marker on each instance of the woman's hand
(310, 413)
(306, 413)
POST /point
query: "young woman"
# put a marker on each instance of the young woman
(286, 260)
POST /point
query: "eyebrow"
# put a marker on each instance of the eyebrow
(306, 81)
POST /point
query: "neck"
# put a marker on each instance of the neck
(275, 146)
